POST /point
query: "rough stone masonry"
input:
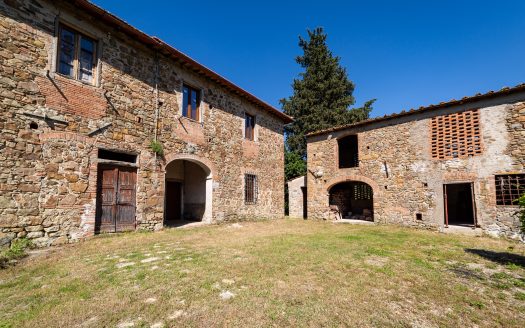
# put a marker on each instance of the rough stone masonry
(54, 126)
(462, 158)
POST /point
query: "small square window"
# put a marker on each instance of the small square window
(191, 99)
(509, 188)
(77, 56)
(249, 127)
(251, 189)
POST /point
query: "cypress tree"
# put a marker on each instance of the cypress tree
(322, 96)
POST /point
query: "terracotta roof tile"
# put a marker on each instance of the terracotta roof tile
(452, 102)
(158, 44)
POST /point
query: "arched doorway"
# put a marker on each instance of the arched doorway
(188, 192)
(353, 199)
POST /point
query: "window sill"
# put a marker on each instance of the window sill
(191, 120)
(61, 77)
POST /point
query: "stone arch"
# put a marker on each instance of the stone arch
(354, 177)
(205, 193)
(204, 163)
(373, 205)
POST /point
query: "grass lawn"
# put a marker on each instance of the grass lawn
(278, 273)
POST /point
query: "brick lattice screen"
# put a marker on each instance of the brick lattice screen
(456, 135)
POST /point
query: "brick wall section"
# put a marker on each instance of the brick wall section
(48, 175)
(73, 97)
(396, 161)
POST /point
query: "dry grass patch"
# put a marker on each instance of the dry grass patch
(278, 273)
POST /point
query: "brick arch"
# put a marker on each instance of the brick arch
(205, 163)
(355, 177)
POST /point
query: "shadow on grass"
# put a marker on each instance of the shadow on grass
(499, 257)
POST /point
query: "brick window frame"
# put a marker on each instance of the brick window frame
(456, 135)
(251, 189)
(509, 187)
(79, 35)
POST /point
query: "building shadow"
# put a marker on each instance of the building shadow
(499, 257)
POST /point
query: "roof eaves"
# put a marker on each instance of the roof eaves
(453, 102)
(155, 42)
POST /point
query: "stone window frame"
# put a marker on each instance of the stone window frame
(200, 108)
(255, 128)
(245, 174)
(82, 29)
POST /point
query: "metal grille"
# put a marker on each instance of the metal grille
(456, 135)
(362, 191)
(509, 188)
(251, 189)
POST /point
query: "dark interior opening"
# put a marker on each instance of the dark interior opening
(33, 125)
(459, 205)
(115, 156)
(348, 152)
(305, 203)
(354, 200)
(185, 193)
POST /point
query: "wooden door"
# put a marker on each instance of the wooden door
(115, 199)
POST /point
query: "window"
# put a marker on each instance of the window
(190, 102)
(250, 189)
(116, 156)
(76, 55)
(348, 152)
(456, 135)
(249, 127)
(509, 188)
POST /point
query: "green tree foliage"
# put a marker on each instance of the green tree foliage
(294, 165)
(322, 94)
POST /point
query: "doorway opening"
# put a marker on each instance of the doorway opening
(459, 204)
(353, 199)
(188, 188)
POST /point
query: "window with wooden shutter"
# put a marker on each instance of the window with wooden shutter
(250, 189)
(456, 135)
(249, 127)
(191, 99)
(77, 57)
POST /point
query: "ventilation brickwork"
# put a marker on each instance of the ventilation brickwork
(456, 135)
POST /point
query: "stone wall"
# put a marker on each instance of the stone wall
(395, 160)
(296, 193)
(49, 166)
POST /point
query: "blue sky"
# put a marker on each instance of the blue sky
(404, 53)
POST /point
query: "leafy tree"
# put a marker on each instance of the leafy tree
(294, 165)
(322, 95)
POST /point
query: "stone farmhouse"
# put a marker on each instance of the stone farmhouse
(107, 129)
(457, 163)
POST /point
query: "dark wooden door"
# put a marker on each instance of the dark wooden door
(173, 202)
(116, 188)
